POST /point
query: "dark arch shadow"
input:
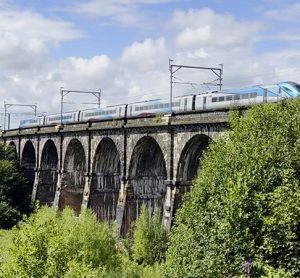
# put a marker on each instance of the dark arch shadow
(48, 174)
(73, 177)
(189, 165)
(11, 152)
(105, 184)
(28, 164)
(146, 180)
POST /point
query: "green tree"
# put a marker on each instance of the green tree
(149, 238)
(51, 244)
(13, 203)
(245, 204)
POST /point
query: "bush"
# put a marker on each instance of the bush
(13, 202)
(245, 204)
(149, 238)
(51, 244)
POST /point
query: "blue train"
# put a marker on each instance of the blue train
(209, 101)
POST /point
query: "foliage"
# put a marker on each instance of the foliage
(6, 243)
(12, 188)
(131, 269)
(245, 204)
(266, 271)
(51, 244)
(149, 238)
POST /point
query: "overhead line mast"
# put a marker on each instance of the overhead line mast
(64, 92)
(173, 68)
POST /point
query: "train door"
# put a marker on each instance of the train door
(265, 96)
(204, 103)
(185, 104)
(130, 110)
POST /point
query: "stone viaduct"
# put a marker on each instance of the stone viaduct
(114, 167)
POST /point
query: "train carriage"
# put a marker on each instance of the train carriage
(65, 118)
(160, 107)
(37, 121)
(102, 114)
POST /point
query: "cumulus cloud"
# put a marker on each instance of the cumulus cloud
(146, 55)
(25, 37)
(193, 37)
(205, 27)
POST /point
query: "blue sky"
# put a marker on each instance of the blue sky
(123, 46)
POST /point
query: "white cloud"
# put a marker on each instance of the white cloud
(193, 37)
(25, 38)
(198, 28)
(27, 25)
(145, 56)
(289, 13)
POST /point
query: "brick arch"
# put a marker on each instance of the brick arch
(12, 143)
(190, 156)
(44, 141)
(73, 178)
(25, 143)
(118, 142)
(83, 140)
(48, 173)
(162, 139)
(28, 165)
(105, 180)
(13, 150)
(189, 164)
(146, 180)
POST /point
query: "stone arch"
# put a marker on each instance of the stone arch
(146, 180)
(12, 144)
(105, 182)
(73, 178)
(189, 165)
(48, 174)
(28, 164)
(12, 149)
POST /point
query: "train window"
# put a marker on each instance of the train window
(166, 105)
(221, 98)
(156, 106)
(161, 105)
(214, 99)
(287, 90)
(228, 98)
(245, 96)
(253, 95)
(237, 97)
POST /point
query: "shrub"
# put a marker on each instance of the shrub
(245, 204)
(51, 244)
(149, 238)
